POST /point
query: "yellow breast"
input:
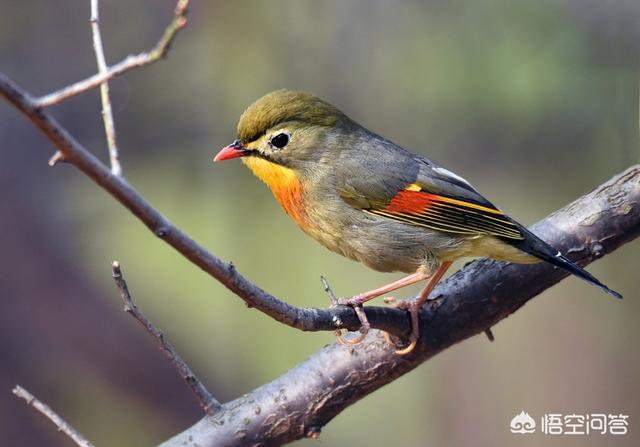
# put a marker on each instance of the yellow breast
(284, 184)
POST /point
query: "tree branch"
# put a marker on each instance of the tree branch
(132, 61)
(107, 113)
(391, 320)
(466, 304)
(46, 410)
(208, 403)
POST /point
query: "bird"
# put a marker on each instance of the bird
(370, 200)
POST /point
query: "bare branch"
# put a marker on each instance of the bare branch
(107, 113)
(130, 62)
(208, 403)
(56, 158)
(43, 408)
(489, 333)
(472, 300)
(390, 320)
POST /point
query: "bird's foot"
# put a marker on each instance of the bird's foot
(414, 308)
(357, 307)
(364, 328)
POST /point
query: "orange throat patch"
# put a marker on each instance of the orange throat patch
(284, 185)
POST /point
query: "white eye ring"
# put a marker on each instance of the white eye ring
(279, 140)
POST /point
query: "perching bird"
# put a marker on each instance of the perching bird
(370, 200)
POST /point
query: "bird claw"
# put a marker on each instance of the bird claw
(413, 309)
(408, 349)
(356, 303)
(349, 342)
(364, 327)
(402, 351)
(357, 307)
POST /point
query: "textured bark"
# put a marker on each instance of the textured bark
(307, 397)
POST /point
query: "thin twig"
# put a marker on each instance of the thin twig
(208, 403)
(56, 158)
(107, 113)
(327, 288)
(130, 62)
(46, 410)
(489, 333)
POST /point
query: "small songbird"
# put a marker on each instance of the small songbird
(370, 200)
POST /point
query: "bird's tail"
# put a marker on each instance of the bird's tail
(535, 246)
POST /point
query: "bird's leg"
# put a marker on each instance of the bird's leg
(414, 307)
(358, 300)
(361, 298)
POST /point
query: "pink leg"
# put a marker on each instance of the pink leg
(358, 300)
(415, 305)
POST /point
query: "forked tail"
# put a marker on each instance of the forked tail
(535, 246)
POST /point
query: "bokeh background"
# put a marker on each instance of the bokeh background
(535, 102)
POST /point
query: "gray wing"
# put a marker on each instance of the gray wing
(388, 181)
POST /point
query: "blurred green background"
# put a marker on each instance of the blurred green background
(535, 102)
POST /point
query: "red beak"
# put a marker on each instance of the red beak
(234, 150)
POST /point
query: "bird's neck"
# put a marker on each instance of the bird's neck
(283, 182)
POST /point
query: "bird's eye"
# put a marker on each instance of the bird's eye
(280, 140)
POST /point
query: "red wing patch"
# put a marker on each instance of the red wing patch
(447, 214)
(410, 202)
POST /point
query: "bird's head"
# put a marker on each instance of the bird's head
(286, 128)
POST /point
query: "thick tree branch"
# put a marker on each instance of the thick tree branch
(208, 403)
(307, 397)
(46, 411)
